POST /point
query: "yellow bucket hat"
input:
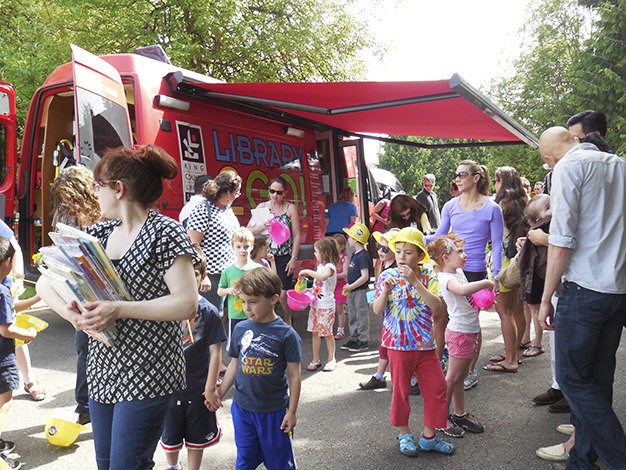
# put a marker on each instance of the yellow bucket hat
(359, 232)
(414, 237)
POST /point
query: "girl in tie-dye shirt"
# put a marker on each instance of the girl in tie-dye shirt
(407, 296)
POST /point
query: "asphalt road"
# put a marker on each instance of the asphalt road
(339, 427)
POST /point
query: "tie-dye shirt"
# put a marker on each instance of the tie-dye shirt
(407, 320)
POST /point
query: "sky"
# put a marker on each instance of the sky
(432, 40)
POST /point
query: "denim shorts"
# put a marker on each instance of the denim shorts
(9, 378)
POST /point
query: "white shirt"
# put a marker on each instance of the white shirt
(187, 208)
(325, 290)
(463, 317)
(588, 200)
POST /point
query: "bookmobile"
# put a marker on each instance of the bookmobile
(309, 133)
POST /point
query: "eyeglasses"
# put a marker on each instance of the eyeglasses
(463, 174)
(382, 248)
(276, 191)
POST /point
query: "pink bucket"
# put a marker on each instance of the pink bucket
(299, 301)
(278, 231)
(484, 299)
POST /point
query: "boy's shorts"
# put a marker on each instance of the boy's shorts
(9, 378)
(259, 439)
(191, 422)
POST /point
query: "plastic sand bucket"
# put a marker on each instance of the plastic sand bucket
(299, 301)
(61, 432)
(278, 231)
(484, 299)
(24, 320)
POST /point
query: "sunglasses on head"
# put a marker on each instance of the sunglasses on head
(382, 248)
(276, 191)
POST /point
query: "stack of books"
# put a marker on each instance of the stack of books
(79, 270)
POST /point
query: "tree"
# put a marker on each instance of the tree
(233, 40)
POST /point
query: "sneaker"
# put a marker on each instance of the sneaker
(406, 443)
(467, 422)
(349, 344)
(548, 398)
(13, 464)
(437, 444)
(84, 418)
(340, 335)
(6, 447)
(555, 453)
(359, 346)
(471, 380)
(415, 389)
(373, 384)
(330, 366)
(452, 429)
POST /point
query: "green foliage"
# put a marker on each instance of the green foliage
(410, 164)
(233, 40)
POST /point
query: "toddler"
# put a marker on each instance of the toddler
(463, 327)
(260, 253)
(322, 312)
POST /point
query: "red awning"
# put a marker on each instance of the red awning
(444, 108)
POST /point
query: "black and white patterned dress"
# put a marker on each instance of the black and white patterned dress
(218, 226)
(147, 360)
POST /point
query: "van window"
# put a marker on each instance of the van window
(99, 123)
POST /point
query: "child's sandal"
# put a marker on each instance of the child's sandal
(313, 366)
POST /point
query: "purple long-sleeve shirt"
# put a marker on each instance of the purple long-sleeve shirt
(476, 228)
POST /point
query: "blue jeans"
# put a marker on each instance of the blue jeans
(126, 434)
(81, 340)
(588, 329)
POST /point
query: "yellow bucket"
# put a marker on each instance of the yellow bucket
(24, 320)
(61, 432)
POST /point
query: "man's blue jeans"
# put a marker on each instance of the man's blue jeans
(588, 329)
(126, 434)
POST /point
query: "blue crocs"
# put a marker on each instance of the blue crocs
(406, 442)
(437, 444)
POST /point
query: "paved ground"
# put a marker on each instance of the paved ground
(339, 427)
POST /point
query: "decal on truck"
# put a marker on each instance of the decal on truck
(239, 148)
(192, 155)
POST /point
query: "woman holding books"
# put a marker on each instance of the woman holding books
(131, 382)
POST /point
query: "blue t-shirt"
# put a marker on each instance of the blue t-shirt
(339, 214)
(263, 351)
(206, 329)
(7, 316)
(360, 260)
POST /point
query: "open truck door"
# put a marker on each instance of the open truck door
(100, 107)
(8, 151)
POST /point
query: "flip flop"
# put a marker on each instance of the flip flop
(526, 345)
(313, 366)
(499, 368)
(35, 390)
(497, 358)
(533, 351)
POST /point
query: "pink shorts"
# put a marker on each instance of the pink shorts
(321, 321)
(461, 345)
(339, 297)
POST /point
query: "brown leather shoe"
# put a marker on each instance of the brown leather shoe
(560, 406)
(548, 398)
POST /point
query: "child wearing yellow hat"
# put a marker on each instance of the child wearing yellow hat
(407, 296)
(359, 273)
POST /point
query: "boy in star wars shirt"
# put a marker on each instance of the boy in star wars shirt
(265, 366)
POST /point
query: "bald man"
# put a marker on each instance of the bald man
(586, 250)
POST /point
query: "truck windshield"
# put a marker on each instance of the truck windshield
(102, 126)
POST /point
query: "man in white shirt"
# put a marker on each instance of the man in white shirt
(586, 251)
(193, 200)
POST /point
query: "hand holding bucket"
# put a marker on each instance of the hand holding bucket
(24, 320)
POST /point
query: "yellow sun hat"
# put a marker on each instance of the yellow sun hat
(387, 236)
(61, 432)
(359, 232)
(414, 237)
